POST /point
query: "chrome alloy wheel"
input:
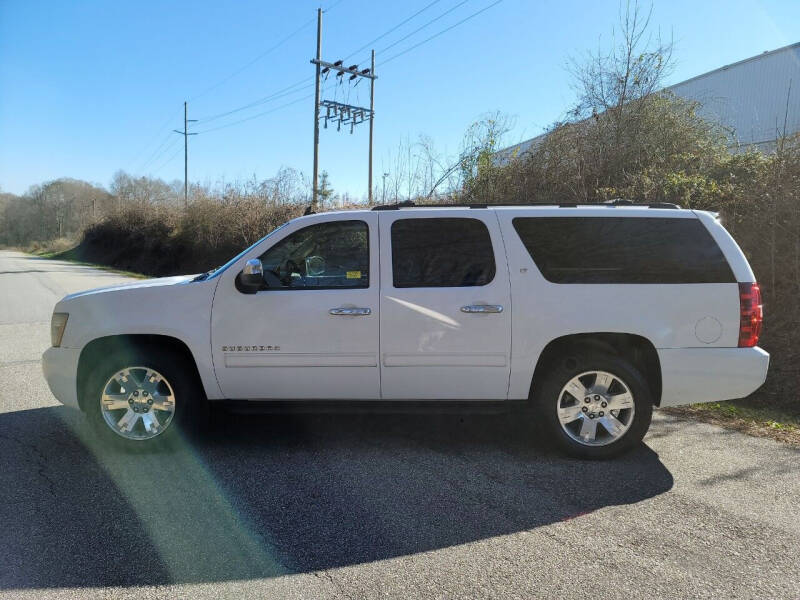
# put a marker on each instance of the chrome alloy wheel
(595, 408)
(137, 403)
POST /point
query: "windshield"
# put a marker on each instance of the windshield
(215, 272)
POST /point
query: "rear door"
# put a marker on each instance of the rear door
(445, 306)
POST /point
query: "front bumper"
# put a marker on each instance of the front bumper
(690, 375)
(60, 367)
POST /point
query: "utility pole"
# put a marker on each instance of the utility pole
(316, 110)
(383, 196)
(338, 112)
(371, 119)
(185, 133)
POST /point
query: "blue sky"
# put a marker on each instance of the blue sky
(90, 87)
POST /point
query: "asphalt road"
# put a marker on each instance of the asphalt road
(346, 506)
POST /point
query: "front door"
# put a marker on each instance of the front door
(445, 306)
(312, 331)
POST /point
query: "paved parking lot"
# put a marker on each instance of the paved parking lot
(354, 506)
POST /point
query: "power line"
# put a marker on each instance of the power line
(139, 155)
(169, 160)
(334, 5)
(418, 29)
(399, 54)
(261, 114)
(160, 151)
(255, 116)
(253, 61)
(443, 31)
(166, 123)
(177, 149)
(150, 158)
(262, 55)
(288, 90)
(393, 29)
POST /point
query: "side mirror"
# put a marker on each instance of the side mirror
(251, 279)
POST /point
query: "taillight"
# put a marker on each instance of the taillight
(751, 314)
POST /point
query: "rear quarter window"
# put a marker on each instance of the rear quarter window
(623, 250)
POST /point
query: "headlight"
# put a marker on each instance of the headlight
(57, 325)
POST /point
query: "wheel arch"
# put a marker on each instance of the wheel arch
(635, 348)
(103, 346)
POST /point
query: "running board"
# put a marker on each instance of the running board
(372, 406)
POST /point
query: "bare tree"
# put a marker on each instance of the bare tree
(632, 68)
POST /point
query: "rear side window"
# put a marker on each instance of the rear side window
(441, 253)
(623, 250)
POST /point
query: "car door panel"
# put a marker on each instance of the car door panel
(287, 344)
(431, 347)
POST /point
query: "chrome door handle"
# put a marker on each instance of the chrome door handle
(482, 308)
(350, 312)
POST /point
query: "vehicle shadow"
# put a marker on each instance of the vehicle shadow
(262, 496)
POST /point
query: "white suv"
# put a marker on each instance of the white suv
(586, 316)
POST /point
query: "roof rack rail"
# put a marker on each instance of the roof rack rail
(625, 202)
(395, 206)
(664, 205)
(611, 204)
(412, 204)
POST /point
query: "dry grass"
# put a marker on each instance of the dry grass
(49, 248)
(160, 241)
(761, 421)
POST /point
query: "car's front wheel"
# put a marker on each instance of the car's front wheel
(142, 396)
(594, 405)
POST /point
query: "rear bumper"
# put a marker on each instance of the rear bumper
(60, 367)
(690, 375)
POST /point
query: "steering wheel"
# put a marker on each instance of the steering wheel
(315, 266)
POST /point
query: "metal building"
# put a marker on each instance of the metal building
(756, 100)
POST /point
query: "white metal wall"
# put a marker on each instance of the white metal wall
(753, 99)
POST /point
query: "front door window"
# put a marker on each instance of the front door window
(333, 255)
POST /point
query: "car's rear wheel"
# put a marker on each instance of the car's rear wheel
(141, 398)
(593, 405)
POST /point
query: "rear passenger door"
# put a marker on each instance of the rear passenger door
(445, 307)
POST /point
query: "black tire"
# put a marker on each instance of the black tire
(546, 398)
(191, 407)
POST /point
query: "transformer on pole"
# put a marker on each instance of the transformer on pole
(340, 113)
